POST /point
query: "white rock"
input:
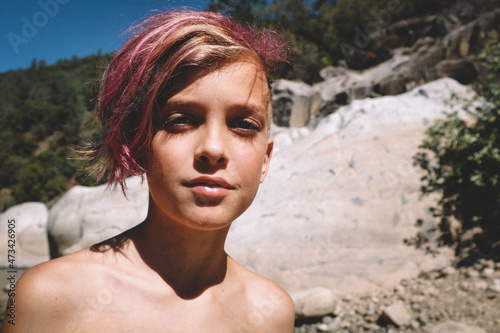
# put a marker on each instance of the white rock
(495, 286)
(448, 270)
(488, 273)
(88, 215)
(314, 302)
(397, 314)
(28, 238)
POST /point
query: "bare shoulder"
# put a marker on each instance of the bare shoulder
(35, 293)
(47, 292)
(271, 305)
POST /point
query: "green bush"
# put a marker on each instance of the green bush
(465, 162)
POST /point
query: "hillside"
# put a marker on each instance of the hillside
(44, 111)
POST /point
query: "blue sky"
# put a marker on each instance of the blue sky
(58, 29)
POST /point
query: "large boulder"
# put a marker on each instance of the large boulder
(87, 215)
(23, 235)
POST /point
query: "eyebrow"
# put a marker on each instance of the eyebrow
(193, 105)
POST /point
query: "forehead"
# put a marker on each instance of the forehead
(241, 82)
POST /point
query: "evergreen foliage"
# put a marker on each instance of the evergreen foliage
(43, 113)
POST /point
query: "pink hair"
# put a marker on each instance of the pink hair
(152, 65)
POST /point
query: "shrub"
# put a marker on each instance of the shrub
(465, 162)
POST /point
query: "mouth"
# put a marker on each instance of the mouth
(209, 190)
(213, 182)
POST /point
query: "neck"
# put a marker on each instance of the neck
(189, 260)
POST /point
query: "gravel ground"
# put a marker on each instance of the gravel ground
(463, 299)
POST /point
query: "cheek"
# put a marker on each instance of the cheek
(251, 161)
(164, 159)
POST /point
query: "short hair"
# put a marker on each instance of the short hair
(152, 65)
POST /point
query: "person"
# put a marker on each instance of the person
(186, 102)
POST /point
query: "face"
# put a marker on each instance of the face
(212, 148)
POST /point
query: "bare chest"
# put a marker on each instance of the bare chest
(122, 311)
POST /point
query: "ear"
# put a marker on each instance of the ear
(267, 159)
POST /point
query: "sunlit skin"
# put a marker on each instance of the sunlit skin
(210, 152)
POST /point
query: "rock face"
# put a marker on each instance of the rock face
(27, 223)
(394, 60)
(87, 215)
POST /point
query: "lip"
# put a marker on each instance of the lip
(216, 182)
(210, 187)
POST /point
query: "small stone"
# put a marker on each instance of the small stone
(371, 326)
(487, 273)
(472, 273)
(495, 286)
(314, 302)
(489, 264)
(338, 310)
(448, 270)
(417, 299)
(322, 327)
(415, 324)
(334, 326)
(397, 314)
(465, 286)
(481, 285)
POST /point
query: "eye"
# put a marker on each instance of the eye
(178, 122)
(246, 126)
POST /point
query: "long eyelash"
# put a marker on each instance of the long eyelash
(247, 125)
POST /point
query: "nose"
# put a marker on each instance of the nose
(211, 147)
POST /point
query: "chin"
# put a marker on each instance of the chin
(210, 221)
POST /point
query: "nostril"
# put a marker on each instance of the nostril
(206, 159)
